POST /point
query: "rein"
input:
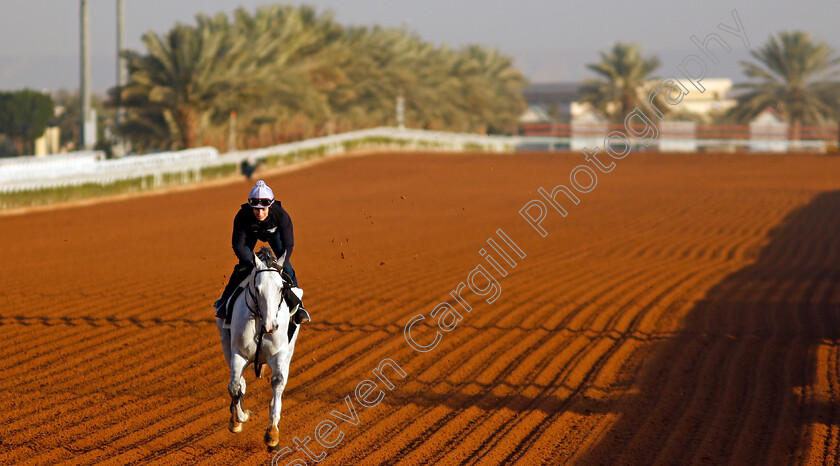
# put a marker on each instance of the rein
(255, 311)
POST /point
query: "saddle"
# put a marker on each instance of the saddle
(227, 306)
(291, 296)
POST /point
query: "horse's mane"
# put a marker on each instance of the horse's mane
(267, 255)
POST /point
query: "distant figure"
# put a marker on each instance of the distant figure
(247, 168)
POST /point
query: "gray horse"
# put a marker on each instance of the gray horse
(260, 317)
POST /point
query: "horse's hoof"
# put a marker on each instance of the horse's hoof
(272, 437)
(234, 426)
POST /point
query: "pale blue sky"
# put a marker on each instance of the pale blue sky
(551, 40)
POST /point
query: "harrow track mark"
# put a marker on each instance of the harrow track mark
(564, 425)
(686, 311)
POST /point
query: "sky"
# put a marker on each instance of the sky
(550, 40)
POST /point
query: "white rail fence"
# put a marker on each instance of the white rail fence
(80, 168)
(150, 171)
(54, 166)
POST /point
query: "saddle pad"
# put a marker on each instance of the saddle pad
(229, 304)
(292, 297)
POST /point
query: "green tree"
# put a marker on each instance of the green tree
(182, 77)
(192, 77)
(293, 72)
(793, 75)
(472, 89)
(493, 87)
(24, 116)
(623, 75)
(375, 66)
(289, 66)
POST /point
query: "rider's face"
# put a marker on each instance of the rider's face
(261, 214)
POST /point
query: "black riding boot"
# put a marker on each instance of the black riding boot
(240, 272)
(301, 316)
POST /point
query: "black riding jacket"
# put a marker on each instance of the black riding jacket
(247, 230)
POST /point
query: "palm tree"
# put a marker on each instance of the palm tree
(466, 90)
(285, 68)
(499, 85)
(195, 75)
(793, 76)
(376, 65)
(623, 76)
(181, 77)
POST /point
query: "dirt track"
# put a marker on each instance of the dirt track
(687, 311)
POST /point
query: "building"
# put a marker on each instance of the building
(556, 99)
(716, 100)
(769, 132)
(49, 142)
(561, 101)
(535, 114)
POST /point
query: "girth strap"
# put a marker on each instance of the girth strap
(257, 365)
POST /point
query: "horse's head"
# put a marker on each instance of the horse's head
(268, 284)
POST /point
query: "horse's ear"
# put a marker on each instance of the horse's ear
(281, 260)
(258, 262)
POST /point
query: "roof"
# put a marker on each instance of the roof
(535, 114)
(769, 116)
(553, 92)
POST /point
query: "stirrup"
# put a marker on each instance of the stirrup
(219, 308)
(301, 316)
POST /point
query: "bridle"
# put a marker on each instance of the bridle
(255, 311)
(252, 292)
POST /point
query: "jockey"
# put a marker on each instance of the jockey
(264, 219)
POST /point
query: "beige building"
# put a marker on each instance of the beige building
(709, 103)
(562, 101)
(49, 142)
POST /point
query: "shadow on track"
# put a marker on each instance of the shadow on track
(754, 365)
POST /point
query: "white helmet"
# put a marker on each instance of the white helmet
(261, 191)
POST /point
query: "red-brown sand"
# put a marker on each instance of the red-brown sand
(686, 311)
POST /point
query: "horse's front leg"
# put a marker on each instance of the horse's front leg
(236, 389)
(279, 377)
(224, 337)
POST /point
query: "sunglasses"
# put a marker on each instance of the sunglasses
(260, 203)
